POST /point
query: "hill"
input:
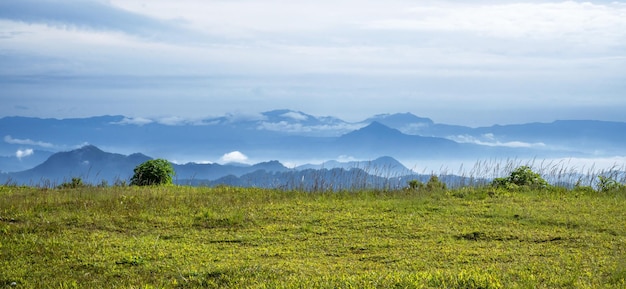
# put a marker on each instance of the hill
(88, 163)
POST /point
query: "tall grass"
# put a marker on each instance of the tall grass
(560, 173)
(480, 174)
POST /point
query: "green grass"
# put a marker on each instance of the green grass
(184, 237)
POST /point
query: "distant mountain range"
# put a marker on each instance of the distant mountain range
(95, 166)
(295, 137)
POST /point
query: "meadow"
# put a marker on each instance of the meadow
(228, 237)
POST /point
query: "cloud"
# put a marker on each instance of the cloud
(87, 14)
(346, 158)
(484, 62)
(234, 157)
(295, 116)
(563, 20)
(244, 116)
(10, 140)
(321, 130)
(24, 153)
(133, 121)
(172, 120)
(490, 140)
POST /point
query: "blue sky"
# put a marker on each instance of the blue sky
(459, 62)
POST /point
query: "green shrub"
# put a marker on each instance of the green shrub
(608, 184)
(153, 172)
(75, 183)
(415, 185)
(433, 184)
(521, 177)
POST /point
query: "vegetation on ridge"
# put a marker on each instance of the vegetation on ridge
(153, 172)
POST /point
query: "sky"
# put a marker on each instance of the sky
(457, 62)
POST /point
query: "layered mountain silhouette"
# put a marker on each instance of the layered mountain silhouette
(96, 166)
(88, 163)
(297, 137)
(377, 137)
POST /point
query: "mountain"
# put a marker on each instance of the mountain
(88, 163)
(192, 171)
(590, 137)
(335, 179)
(382, 166)
(377, 139)
(94, 166)
(405, 122)
(298, 137)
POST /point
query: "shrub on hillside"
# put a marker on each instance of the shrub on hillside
(74, 184)
(153, 172)
(521, 177)
(433, 184)
(609, 184)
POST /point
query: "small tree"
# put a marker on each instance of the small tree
(521, 177)
(153, 172)
(434, 184)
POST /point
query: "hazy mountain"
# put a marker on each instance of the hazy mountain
(582, 136)
(335, 179)
(93, 165)
(382, 166)
(193, 171)
(299, 137)
(381, 139)
(88, 163)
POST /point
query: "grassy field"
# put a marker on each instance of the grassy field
(184, 237)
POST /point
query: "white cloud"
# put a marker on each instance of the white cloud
(295, 116)
(9, 139)
(346, 158)
(172, 120)
(134, 121)
(321, 130)
(234, 157)
(563, 20)
(245, 116)
(368, 56)
(490, 140)
(24, 153)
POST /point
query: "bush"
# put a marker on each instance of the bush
(153, 172)
(521, 177)
(74, 184)
(433, 184)
(608, 184)
(415, 185)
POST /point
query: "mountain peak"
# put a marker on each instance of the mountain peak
(287, 114)
(89, 148)
(399, 119)
(378, 128)
(373, 131)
